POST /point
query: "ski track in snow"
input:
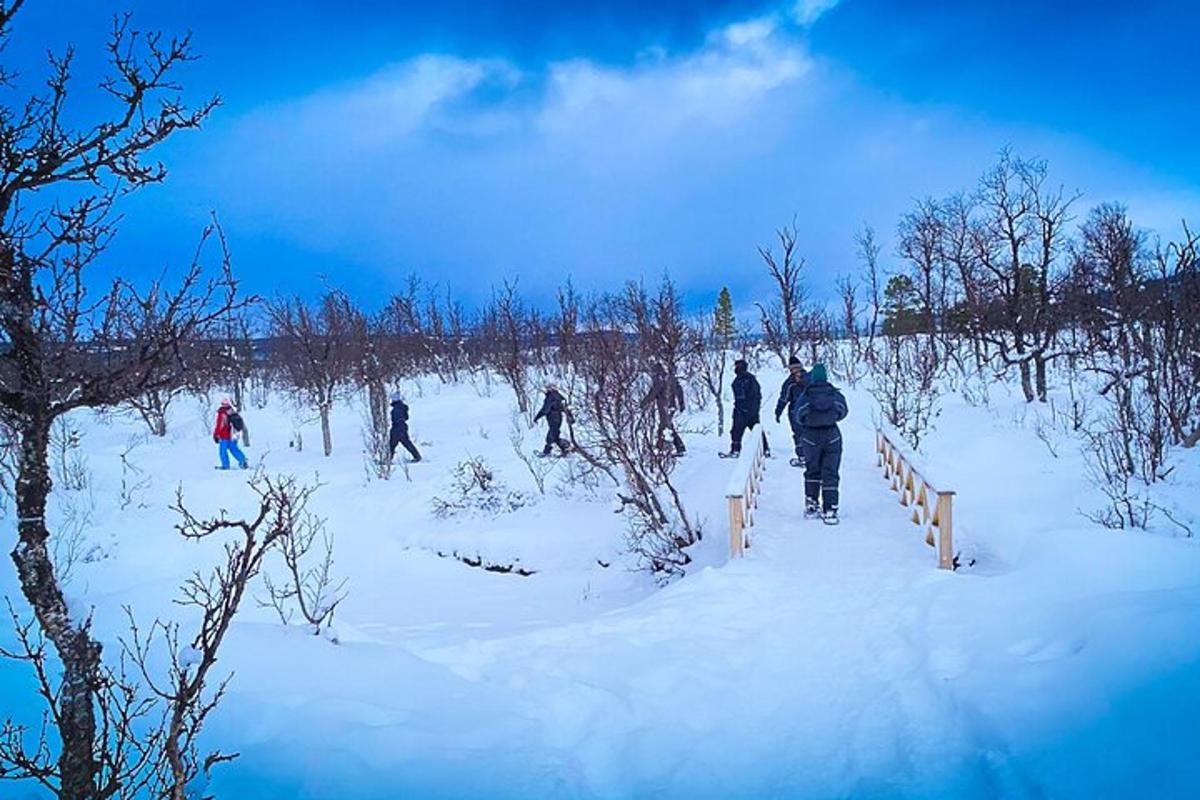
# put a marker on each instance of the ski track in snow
(830, 662)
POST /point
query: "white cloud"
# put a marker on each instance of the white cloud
(806, 12)
(481, 169)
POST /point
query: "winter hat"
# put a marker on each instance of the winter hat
(818, 374)
(794, 364)
(226, 403)
(739, 365)
(551, 386)
(397, 397)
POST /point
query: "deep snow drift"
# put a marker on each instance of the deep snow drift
(828, 662)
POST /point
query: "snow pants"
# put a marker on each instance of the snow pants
(399, 435)
(554, 435)
(227, 447)
(823, 459)
(742, 423)
(797, 438)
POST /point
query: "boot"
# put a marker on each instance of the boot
(797, 462)
(811, 509)
(830, 517)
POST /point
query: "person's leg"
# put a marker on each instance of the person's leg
(407, 441)
(736, 433)
(831, 462)
(238, 455)
(551, 437)
(393, 440)
(677, 440)
(812, 468)
(223, 453)
(798, 441)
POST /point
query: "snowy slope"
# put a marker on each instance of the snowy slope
(828, 662)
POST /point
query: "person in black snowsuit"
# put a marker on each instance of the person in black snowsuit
(666, 393)
(818, 410)
(399, 432)
(554, 408)
(789, 394)
(747, 403)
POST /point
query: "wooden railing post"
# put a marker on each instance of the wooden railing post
(737, 544)
(945, 501)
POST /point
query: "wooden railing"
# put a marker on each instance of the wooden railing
(742, 493)
(932, 509)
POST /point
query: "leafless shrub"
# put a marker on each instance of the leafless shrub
(66, 443)
(539, 468)
(902, 382)
(309, 587)
(134, 480)
(476, 489)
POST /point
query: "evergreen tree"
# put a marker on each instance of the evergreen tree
(724, 324)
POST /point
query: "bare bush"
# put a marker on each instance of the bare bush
(475, 489)
(309, 587)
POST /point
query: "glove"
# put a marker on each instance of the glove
(216, 439)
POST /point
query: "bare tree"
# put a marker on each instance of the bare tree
(783, 318)
(62, 348)
(317, 350)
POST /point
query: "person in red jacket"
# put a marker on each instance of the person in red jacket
(229, 425)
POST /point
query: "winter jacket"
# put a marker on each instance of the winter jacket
(222, 431)
(553, 409)
(399, 414)
(820, 405)
(747, 396)
(789, 393)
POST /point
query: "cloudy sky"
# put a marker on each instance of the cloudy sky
(474, 142)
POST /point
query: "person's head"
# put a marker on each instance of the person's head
(794, 366)
(818, 374)
(551, 386)
(397, 397)
(740, 366)
(226, 404)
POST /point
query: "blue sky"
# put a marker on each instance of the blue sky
(470, 143)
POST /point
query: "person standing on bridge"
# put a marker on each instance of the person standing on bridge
(818, 410)
(747, 404)
(789, 394)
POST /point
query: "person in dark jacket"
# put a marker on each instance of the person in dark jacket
(399, 432)
(553, 409)
(818, 410)
(666, 393)
(747, 403)
(789, 394)
(225, 432)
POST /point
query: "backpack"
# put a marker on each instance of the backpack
(235, 421)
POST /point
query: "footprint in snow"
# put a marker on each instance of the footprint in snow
(1039, 650)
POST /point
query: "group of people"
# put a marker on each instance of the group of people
(814, 408)
(813, 405)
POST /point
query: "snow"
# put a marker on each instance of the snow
(827, 662)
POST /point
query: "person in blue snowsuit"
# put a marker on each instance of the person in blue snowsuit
(399, 430)
(789, 394)
(747, 403)
(819, 408)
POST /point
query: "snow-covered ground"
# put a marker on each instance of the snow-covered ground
(828, 662)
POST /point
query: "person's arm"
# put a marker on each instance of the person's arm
(784, 391)
(542, 411)
(216, 434)
(840, 406)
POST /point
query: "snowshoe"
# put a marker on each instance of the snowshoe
(541, 454)
(812, 511)
(731, 454)
(797, 462)
(830, 516)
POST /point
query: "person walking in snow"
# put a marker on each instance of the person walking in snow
(818, 410)
(666, 394)
(229, 426)
(747, 404)
(553, 409)
(789, 394)
(399, 430)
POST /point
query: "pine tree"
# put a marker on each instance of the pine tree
(724, 324)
